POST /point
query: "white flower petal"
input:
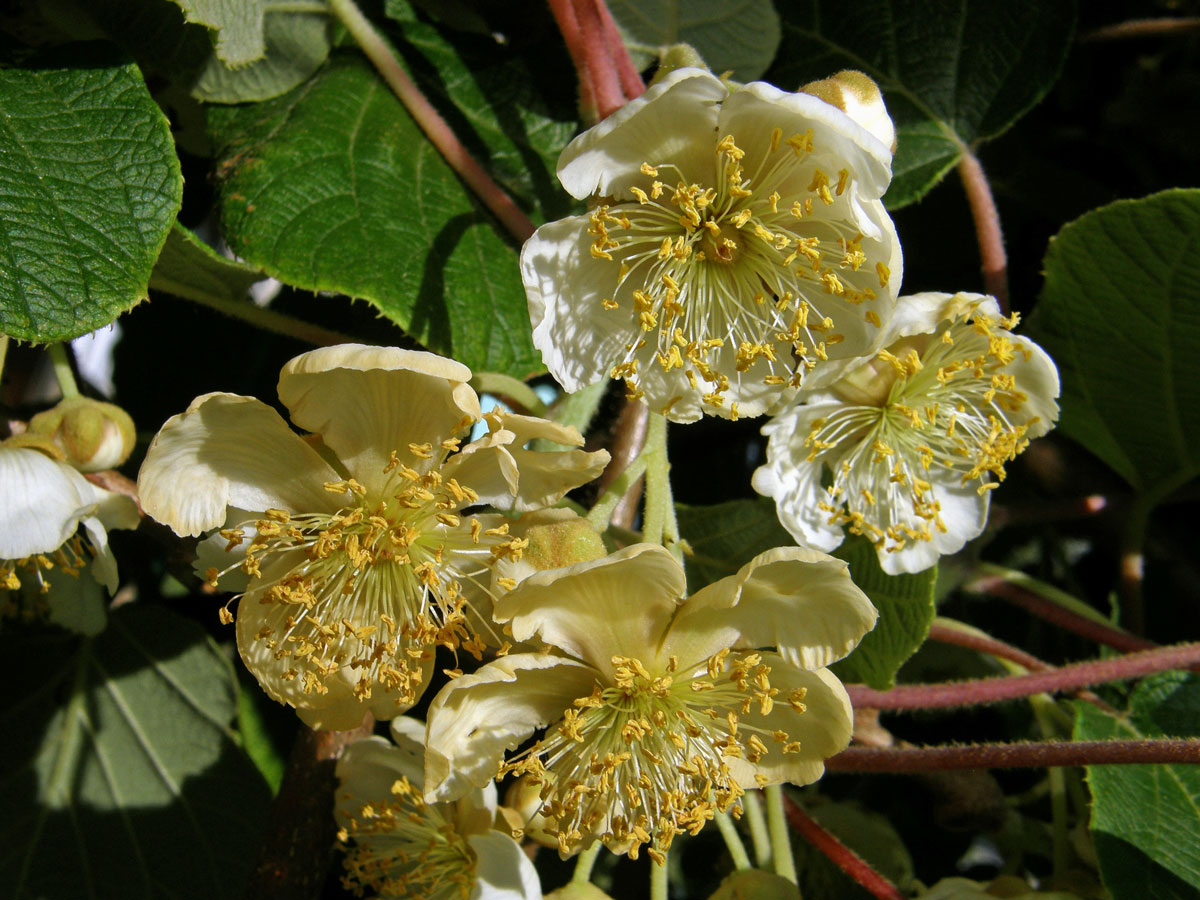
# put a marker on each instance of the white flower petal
(502, 870)
(922, 313)
(964, 513)
(44, 501)
(366, 402)
(476, 717)
(368, 769)
(823, 729)
(579, 340)
(798, 600)
(487, 467)
(228, 450)
(672, 123)
(1037, 377)
(619, 605)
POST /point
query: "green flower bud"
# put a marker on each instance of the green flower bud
(561, 541)
(92, 435)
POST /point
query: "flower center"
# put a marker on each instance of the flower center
(642, 759)
(949, 407)
(375, 585)
(25, 582)
(743, 272)
(405, 847)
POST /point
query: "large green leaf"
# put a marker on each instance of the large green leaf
(1145, 818)
(1120, 314)
(238, 23)
(740, 37)
(906, 609)
(89, 187)
(332, 187)
(726, 536)
(953, 72)
(121, 776)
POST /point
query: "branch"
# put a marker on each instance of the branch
(841, 855)
(1032, 754)
(993, 690)
(297, 850)
(945, 634)
(1135, 28)
(993, 261)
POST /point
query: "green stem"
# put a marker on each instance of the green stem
(781, 844)
(3, 351)
(430, 121)
(315, 7)
(608, 501)
(658, 879)
(585, 864)
(62, 370)
(509, 388)
(659, 525)
(257, 316)
(758, 828)
(733, 840)
(1133, 536)
(1044, 590)
(1043, 708)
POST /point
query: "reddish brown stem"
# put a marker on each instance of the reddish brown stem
(1027, 755)
(994, 263)
(631, 79)
(1136, 28)
(599, 59)
(841, 855)
(628, 440)
(564, 14)
(995, 586)
(994, 690)
(297, 849)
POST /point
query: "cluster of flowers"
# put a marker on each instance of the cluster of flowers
(736, 260)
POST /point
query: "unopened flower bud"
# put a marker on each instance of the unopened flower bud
(562, 542)
(857, 96)
(92, 434)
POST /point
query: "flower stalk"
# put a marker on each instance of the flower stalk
(62, 370)
(841, 855)
(781, 846)
(733, 841)
(993, 261)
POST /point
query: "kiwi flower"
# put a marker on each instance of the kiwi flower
(54, 552)
(351, 546)
(736, 245)
(907, 448)
(659, 711)
(397, 845)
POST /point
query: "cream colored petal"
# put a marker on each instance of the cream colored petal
(115, 510)
(227, 451)
(964, 513)
(823, 729)
(547, 475)
(502, 870)
(619, 605)
(366, 402)
(859, 97)
(366, 772)
(922, 313)
(672, 123)
(800, 601)
(1037, 377)
(578, 338)
(104, 564)
(476, 717)
(44, 501)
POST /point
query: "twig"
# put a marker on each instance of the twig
(841, 855)
(994, 263)
(994, 690)
(1136, 28)
(297, 850)
(599, 60)
(946, 634)
(430, 121)
(628, 74)
(1027, 755)
(564, 14)
(628, 440)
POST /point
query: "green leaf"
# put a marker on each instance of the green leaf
(332, 187)
(953, 72)
(740, 37)
(189, 268)
(156, 33)
(122, 778)
(1120, 314)
(89, 187)
(906, 609)
(1145, 818)
(238, 23)
(726, 536)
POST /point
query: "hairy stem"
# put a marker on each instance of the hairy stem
(61, 361)
(993, 261)
(1129, 583)
(430, 121)
(1028, 755)
(628, 441)
(841, 855)
(993, 690)
(585, 863)
(564, 14)
(257, 316)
